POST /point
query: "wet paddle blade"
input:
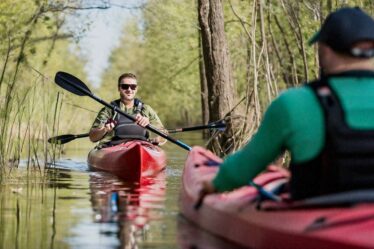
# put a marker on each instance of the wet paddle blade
(72, 84)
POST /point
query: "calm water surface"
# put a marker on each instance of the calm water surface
(71, 207)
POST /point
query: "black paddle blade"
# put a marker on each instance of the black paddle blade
(72, 84)
(62, 139)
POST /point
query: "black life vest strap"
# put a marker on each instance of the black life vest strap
(138, 105)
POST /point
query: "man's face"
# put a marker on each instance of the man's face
(127, 89)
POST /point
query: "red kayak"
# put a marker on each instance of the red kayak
(239, 216)
(130, 161)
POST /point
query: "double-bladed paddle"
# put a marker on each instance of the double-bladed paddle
(63, 139)
(76, 86)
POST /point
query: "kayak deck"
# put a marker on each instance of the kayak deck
(130, 161)
(236, 217)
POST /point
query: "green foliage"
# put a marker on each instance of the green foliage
(267, 42)
(268, 46)
(161, 48)
(269, 51)
(32, 49)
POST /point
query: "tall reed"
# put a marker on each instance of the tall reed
(27, 113)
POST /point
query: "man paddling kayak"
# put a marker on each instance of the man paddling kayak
(327, 125)
(111, 128)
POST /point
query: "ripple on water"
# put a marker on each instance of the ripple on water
(70, 207)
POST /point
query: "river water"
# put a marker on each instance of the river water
(70, 207)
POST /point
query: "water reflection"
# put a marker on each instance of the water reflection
(131, 205)
(35, 206)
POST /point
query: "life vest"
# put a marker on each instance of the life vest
(126, 128)
(346, 161)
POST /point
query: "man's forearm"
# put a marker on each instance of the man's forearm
(97, 133)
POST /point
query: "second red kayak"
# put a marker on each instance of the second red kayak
(319, 222)
(130, 161)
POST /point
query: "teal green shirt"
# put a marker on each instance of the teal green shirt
(295, 122)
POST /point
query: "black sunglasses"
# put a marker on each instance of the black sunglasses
(127, 86)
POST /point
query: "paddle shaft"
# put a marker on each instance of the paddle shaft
(63, 139)
(81, 135)
(199, 127)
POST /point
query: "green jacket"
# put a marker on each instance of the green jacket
(106, 113)
(295, 122)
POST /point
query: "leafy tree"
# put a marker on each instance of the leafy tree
(160, 47)
(33, 47)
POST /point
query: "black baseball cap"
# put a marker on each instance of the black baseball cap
(343, 28)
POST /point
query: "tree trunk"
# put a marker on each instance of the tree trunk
(204, 89)
(221, 88)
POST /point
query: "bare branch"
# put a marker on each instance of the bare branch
(63, 8)
(184, 68)
(242, 22)
(41, 39)
(142, 6)
(105, 6)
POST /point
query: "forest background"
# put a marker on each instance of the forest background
(264, 43)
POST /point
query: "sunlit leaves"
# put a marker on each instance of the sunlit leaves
(161, 47)
(31, 52)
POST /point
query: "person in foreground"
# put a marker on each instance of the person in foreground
(326, 125)
(111, 128)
